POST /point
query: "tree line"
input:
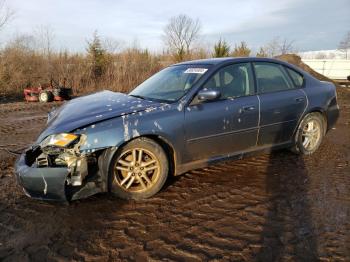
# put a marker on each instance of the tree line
(30, 60)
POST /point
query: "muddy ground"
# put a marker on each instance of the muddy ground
(272, 207)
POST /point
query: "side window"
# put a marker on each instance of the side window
(271, 77)
(297, 78)
(232, 81)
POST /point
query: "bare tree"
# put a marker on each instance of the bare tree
(45, 36)
(279, 46)
(344, 45)
(272, 48)
(180, 34)
(24, 42)
(6, 13)
(286, 46)
(112, 45)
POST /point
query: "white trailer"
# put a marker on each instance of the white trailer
(336, 69)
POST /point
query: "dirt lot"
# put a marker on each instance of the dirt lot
(270, 207)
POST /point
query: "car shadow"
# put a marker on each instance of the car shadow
(288, 230)
(172, 179)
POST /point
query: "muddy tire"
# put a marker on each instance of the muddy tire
(45, 96)
(310, 133)
(138, 170)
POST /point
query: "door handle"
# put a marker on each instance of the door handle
(248, 108)
(299, 99)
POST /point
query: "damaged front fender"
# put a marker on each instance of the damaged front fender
(102, 135)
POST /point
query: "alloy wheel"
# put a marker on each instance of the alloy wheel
(136, 170)
(311, 135)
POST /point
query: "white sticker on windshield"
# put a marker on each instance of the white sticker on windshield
(194, 70)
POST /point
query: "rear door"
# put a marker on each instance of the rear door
(281, 103)
(226, 125)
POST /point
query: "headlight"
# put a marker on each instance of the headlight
(59, 140)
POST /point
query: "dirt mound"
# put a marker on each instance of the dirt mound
(296, 60)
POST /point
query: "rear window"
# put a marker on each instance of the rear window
(297, 78)
(271, 77)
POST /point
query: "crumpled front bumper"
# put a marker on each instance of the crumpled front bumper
(47, 183)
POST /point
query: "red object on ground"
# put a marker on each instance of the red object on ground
(47, 94)
(31, 94)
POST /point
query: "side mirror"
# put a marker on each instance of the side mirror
(208, 95)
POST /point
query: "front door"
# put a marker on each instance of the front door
(228, 124)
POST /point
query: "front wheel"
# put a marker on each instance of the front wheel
(310, 134)
(45, 96)
(139, 170)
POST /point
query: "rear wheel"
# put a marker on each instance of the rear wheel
(139, 170)
(45, 96)
(310, 134)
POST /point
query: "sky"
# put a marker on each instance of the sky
(311, 24)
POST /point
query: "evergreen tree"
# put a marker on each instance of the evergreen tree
(97, 55)
(241, 50)
(221, 49)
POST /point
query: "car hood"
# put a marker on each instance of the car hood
(93, 108)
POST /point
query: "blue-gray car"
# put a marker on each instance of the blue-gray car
(184, 117)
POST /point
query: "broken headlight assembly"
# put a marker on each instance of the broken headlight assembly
(62, 150)
(59, 140)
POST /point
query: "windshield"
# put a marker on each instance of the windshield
(170, 84)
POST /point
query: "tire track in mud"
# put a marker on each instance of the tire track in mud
(28, 123)
(21, 122)
(268, 207)
(17, 108)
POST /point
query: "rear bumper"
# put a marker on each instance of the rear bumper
(41, 183)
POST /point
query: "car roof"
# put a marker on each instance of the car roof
(224, 60)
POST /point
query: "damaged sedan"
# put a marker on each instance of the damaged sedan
(184, 117)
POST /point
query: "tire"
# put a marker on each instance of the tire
(45, 96)
(129, 179)
(306, 140)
